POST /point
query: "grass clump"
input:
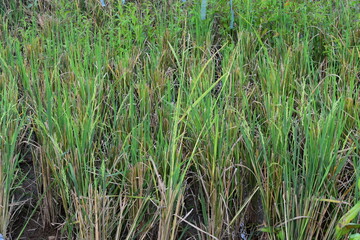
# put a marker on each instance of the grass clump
(181, 119)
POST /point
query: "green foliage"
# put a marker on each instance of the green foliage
(150, 123)
(344, 225)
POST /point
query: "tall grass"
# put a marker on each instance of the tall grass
(11, 127)
(202, 120)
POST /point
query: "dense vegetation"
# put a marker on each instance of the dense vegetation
(168, 120)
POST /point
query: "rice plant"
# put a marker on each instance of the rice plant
(180, 119)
